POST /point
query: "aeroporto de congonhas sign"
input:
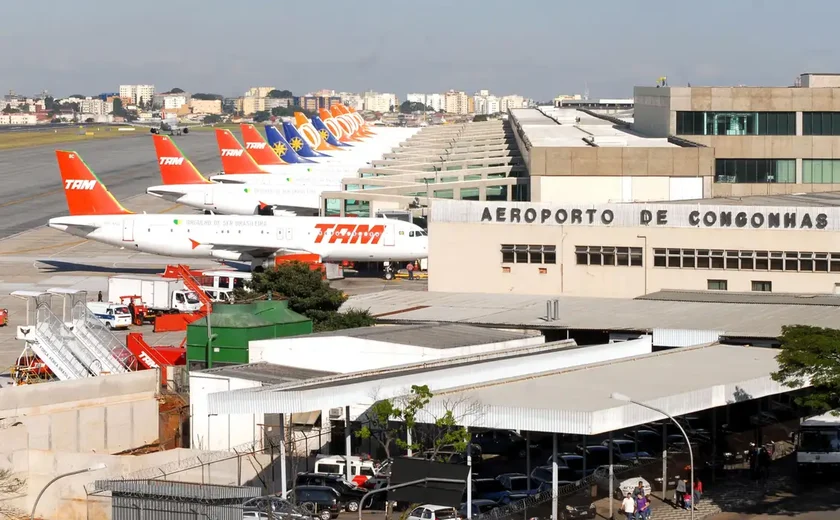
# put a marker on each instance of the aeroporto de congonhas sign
(638, 215)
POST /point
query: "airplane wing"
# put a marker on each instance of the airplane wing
(254, 250)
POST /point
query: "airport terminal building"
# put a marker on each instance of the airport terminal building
(788, 244)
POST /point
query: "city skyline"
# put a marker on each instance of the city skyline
(468, 46)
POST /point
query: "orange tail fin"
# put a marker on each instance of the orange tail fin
(174, 167)
(86, 195)
(262, 153)
(300, 119)
(234, 158)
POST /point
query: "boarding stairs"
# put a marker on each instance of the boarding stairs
(107, 351)
(53, 343)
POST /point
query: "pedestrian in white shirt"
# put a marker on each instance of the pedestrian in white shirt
(628, 505)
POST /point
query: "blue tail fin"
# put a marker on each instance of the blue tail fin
(277, 141)
(326, 135)
(298, 143)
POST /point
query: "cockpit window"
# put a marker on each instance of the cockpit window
(411, 233)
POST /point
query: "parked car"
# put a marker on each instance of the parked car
(433, 512)
(360, 469)
(518, 483)
(281, 509)
(576, 505)
(350, 495)
(322, 501)
(490, 489)
(543, 474)
(502, 442)
(479, 507)
(626, 450)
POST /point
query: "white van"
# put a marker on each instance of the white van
(360, 470)
(218, 295)
(112, 315)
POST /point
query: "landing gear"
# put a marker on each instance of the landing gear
(390, 270)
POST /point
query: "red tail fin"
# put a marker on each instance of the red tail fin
(234, 158)
(257, 147)
(86, 195)
(174, 167)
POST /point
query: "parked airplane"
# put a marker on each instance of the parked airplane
(240, 167)
(168, 124)
(182, 183)
(96, 215)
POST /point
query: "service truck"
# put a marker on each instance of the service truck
(161, 295)
(112, 315)
(818, 444)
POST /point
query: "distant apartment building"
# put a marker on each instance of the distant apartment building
(314, 103)
(251, 105)
(435, 101)
(272, 103)
(351, 100)
(18, 119)
(259, 92)
(169, 101)
(457, 102)
(138, 93)
(485, 103)
(512, 101)
(206, 106)
(95, 106)
(416, 98)
(376, 102)
(323, 93)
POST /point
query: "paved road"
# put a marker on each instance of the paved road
(30, 189)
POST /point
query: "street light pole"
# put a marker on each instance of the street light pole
(621, 397)
(95, 467)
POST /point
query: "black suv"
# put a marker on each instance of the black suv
(349, 495)
(322, 501)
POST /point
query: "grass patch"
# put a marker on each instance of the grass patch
(42, 137)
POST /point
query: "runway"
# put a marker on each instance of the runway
(30, 187)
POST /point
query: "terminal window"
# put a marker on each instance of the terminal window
(762, 286)
(747, 260)
(820, 171)
(528, 254)
(755, 170)
(608, 255)
(820, 123)
(717, 285)
(736, 123)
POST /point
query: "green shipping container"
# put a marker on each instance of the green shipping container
(235, 325)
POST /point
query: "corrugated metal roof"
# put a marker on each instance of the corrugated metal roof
(577, 400)
(766, 298)
(182, 490)
(430, 335)
(268, 373)
(576, 312)
(365, 387)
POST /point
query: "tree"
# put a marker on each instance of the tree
(118, 109)
(212, 119)
(811, 354)
(89, 120)
(282, 94)
(208, 97)
(10, 110)
(49, 101)
(408, 107)
(9, 487)
(308, 294)
(261, 116)
(176, 90)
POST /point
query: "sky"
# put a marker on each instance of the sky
(538, 49)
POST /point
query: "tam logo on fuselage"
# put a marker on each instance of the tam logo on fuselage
(255, 146)
(171, 161)
(232, 153)
(349, 233)
(71, 184)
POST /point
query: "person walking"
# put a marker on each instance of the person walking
(99, 297)
(410, 269)
(628, 505)
(131, 310)
(679, 493)
(639, 490)
(641, 507)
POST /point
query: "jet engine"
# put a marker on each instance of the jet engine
(153, 130)
(186, 131)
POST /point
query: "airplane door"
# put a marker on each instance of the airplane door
(208, 197)
(388, 236)
(128, 230)
(288, 233)
(280, 233)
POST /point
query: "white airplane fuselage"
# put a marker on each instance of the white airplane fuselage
(296, 194)
(247, 238)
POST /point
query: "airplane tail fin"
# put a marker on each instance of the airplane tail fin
(298, 143)
(332, 124)
(235, 159)
(348, 124)
(86, 195)
(366, 130)
(281, 146)
(307, 130)
(259, 149)
(326, 133)
(175, 168)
